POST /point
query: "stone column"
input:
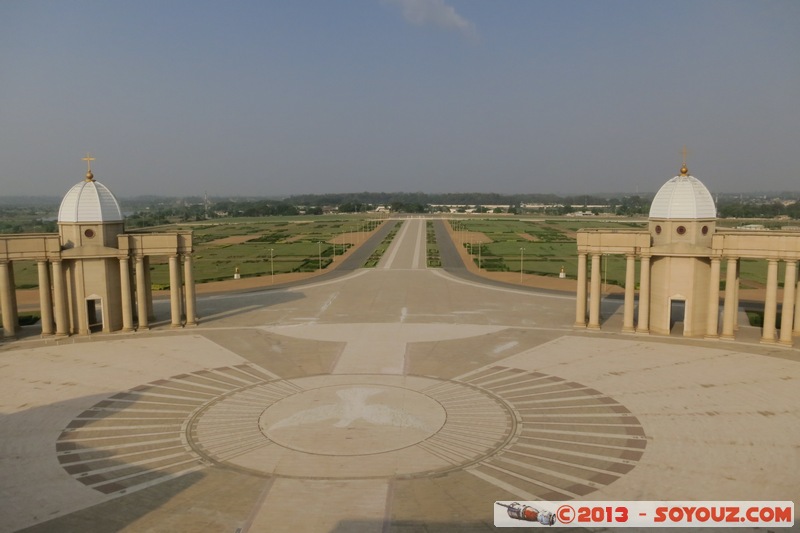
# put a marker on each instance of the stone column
(770, 302)
(630, 287)
(644, 296)
(45, 298)
(175, 291)
(580, 302)
(712, 318)
(80, 301)
(788, 309)
(736, 288)
(797, 309)
(60, 298)
(9, 310)
(151, 315)
(594, 297)
(730, 307)
(127, 297)
(141, 294)
(191, 300)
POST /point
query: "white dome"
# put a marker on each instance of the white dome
(89, 201)
(683, 197)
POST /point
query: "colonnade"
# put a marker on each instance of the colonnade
(183, 299)
(594, 289)
(790, 318)
(54, 299)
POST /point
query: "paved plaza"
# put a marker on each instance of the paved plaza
(394, 399)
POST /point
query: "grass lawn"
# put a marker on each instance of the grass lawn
(296, 244)
(547, 245)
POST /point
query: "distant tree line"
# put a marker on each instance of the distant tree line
(40, 216)
(750, 209)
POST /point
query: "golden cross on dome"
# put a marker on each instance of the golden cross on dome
(88, 160)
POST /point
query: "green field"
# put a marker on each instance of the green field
(299, 245)
(432, 248)
(551, 245)
(293, 246)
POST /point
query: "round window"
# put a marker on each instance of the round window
(705, 230)
(658, 230)
(681, 230)
(89, 233)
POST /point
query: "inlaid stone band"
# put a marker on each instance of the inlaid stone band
(532, 433)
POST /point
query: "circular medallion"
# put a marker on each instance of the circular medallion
(356, 426)
(550, 437)
(352, 420)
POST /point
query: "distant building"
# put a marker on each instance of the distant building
(94, 276)
(680, 255)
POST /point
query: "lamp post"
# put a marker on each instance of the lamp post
(271, 265)
(479, 256)
(319, 253)
(521, 262)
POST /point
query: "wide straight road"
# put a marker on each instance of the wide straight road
(407, 251)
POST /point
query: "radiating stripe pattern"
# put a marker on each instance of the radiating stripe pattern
(535, 435)
(476, 425)
(570, 439)
(136, 438)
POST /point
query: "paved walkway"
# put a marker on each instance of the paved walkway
(392, 399)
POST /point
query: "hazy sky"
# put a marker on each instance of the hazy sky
(289, 97)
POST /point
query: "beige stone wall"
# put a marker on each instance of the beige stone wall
(679, 254)
(679, 278)
(88, 261)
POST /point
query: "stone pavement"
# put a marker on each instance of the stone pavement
(397, 399)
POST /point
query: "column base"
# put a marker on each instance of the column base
(192, 324)
(629, 329)
(581, 325)
(643, 332)
(593, 326)
(767, 341)
(143, 328)
(711, 337)
(176, 326)
(128, 330)
(786, 343)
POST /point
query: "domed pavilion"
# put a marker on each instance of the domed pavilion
(93, 275)
(680, 256)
